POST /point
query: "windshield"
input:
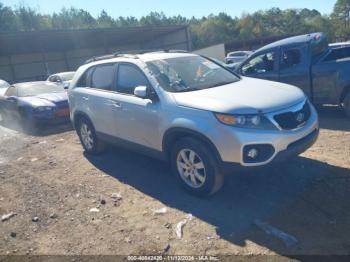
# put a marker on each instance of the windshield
(189, 73)
(67, 76)
(39, 90)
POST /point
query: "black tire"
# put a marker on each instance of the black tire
(346, 104)
(97, 146)
(214, 179)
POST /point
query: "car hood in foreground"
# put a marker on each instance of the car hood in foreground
(248, 96)
(51, 100)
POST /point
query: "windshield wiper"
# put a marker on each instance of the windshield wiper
(187, 90)
(222, 84)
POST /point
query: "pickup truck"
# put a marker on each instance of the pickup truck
(308, 62)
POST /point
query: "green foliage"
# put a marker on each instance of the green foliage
(340, 19)
(205, 31)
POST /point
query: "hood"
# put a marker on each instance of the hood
(247, 96)
(46, 99)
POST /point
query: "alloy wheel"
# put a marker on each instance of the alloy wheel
(86, 136)
(191, 168)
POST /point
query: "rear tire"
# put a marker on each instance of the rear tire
(88, 138)
(346, 105)
(195, 167)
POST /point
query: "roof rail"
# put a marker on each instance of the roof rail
(104, 57)
(131, 54)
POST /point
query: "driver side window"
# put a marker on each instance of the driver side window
(260, 64)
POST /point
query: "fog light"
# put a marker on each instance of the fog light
(253, 153)
(257, 153)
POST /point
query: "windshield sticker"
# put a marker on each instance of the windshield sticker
(211, 65)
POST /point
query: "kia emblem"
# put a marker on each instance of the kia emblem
(300, 117)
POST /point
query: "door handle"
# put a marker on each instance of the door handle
(85, 98)
(114, 104)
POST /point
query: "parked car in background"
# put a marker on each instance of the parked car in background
(307, 62)
(34, 103)
(63, 78)
(236, 57)
(227, 66)
(3, 86)
(186, 109)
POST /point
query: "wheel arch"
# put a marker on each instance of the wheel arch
(175, 133)
(79, 115)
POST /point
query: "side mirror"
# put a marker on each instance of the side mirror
(141, 91)
(66, 86)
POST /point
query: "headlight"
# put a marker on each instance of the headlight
(246, 121)
(43, 108)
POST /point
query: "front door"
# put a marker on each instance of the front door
(263, 65)
(137, 119)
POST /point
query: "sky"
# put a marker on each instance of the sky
(187, 8)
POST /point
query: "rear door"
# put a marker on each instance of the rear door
(262, 65)
(92, 96)
(294, 68)
(101, 106)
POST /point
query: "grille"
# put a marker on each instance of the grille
(292, 120)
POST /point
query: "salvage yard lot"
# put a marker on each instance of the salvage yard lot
(49, 177)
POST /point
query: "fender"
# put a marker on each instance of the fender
(175, 133)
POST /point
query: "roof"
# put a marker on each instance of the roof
(63, 40)
(146, 57)
(300, 39)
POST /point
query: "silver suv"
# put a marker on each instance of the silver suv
(191, 111)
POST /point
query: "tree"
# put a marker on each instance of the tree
(104, 20)
(207, 30)
(8, 20)
(340, 18)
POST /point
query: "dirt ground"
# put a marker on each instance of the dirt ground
(297, 208)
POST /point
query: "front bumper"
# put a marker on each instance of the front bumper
(51, 121)
(298, 147)
(230, 142)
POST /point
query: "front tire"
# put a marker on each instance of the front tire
(88, 137)
(346, 105)
(195, 167)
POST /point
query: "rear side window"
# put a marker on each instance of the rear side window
(129, 77)
(102, 77)
(84, 80)
(290, 58)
